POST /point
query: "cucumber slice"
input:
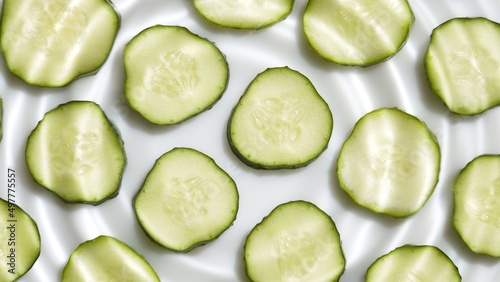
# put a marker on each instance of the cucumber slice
(20, 247)
(281, 121)
(106, 258)
(76, 153)
(250, 14)
(413, 263)
(461, 64)
(173, 74)
(186, 200)
(357, 33)
(297, 241)
(398, 159)
(56, 41)
(476, 216)
(1, 119)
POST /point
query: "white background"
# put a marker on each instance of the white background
(350, 92)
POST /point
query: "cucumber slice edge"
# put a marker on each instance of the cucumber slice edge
(435, 79)
(143, 213)
(473, 212)
(33, 167)
(147, 103)
(70, 271)
(287, 209)
(20, 70)
(288, 161)
(432, 144)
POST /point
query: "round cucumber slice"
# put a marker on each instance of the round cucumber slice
(51, 43)
(173, 74)
(461, 64)
(20, 247)
(297, 241)
(476, 215)
(250, 14)
(186, 200)
(76, 153)
(360, 32)
(413, 263)
(398, 159)
(281, 121)
(106, 258)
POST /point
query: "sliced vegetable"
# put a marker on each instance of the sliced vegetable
(357, 32)
(20, 241)
(250, 14)
(281, 121)
(413, 263)
(106, 258)
(76, 153)
(461, 64)
(51, 43)
(476, 215)
(173, 74)
(297, 241)
(186, 200)
(390, 163)
(1, 119)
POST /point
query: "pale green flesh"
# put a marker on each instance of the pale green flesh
(296, 242)
(107, 259)
(280, 122)
(23, 237)
(50, 43)
(390, 163)
(1, 119)
(186, 200)
(173, 74)
(357, 32)
(413, 263)
(476, 215)
(462, 64)
(249, 14)
(75, 152)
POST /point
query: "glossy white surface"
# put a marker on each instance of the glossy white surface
(350, 92)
